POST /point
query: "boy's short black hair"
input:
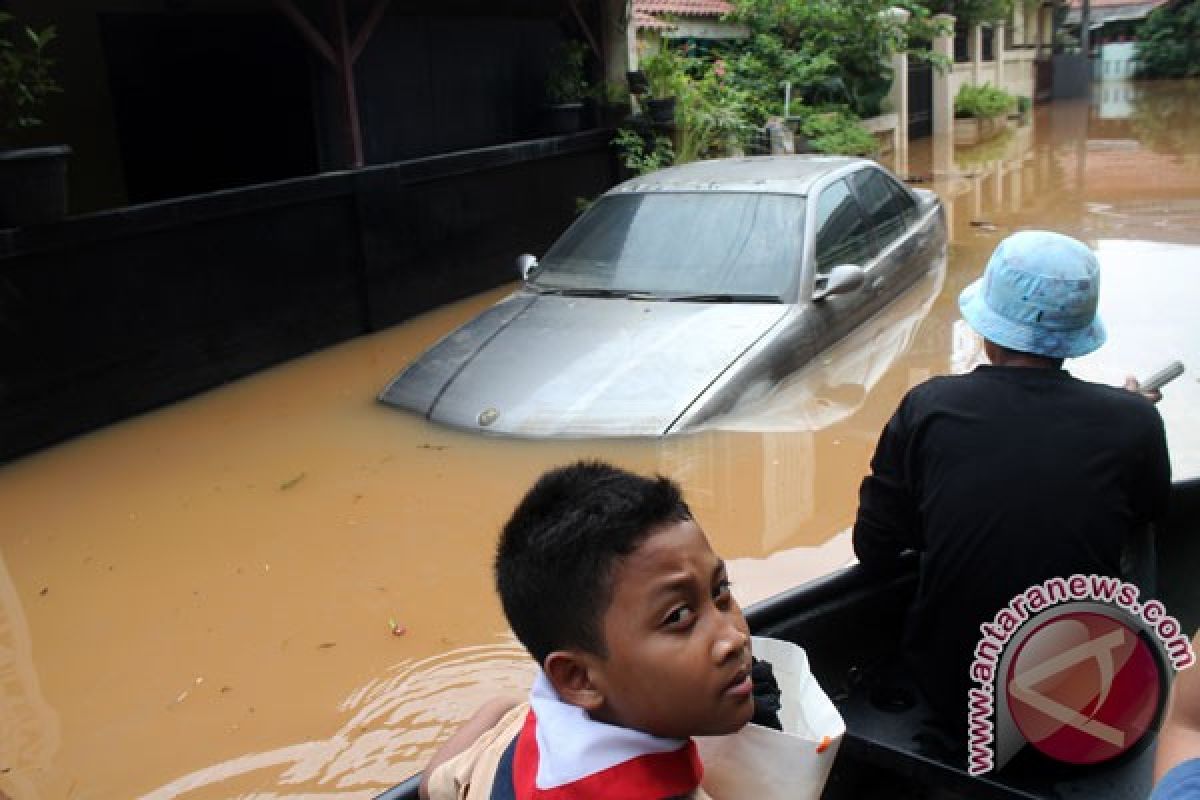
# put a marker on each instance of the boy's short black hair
(558, 551)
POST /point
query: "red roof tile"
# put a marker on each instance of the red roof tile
(684, 8)
(649, 23)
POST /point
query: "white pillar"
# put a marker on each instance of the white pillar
(943, 101)
(998, 52)
(975, 48)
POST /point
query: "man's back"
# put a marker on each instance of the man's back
(1004, 478)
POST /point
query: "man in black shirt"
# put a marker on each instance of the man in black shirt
(1014, 473)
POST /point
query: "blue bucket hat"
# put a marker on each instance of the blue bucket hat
(1038, 295)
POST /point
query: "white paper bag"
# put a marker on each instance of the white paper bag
(766, 764)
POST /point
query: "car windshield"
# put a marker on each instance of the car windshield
(718, 245)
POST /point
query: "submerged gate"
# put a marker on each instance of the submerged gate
(920, 99)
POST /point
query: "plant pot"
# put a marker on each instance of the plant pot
(661, 110)
(638, 85)
(972, 130)
(33, 186)
(564, 118)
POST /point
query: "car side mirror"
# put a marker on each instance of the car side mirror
(526, 265)
(842, 279)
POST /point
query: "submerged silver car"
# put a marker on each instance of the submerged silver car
(678, 295)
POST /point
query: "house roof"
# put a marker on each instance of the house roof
(1101, 11)
(684, 8)
(647, 22)
(1077, 5)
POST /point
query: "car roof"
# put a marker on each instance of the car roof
(777, 174)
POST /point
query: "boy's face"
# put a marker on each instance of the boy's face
(678, 662)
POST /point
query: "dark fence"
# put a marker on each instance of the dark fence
(112, 314)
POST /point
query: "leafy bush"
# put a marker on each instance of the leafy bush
(641, 157)
(25, 79)
(713, 114)
(1168, 42)
(838, 132)
(982, 101)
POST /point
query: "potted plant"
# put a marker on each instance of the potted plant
(664, 77)
(979, 113)
(566, 88)
(32, 180)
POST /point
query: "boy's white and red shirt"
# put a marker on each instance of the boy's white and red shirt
(550, 750)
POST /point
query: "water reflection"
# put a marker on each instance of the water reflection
(29, 728)
(219, 575)
(391, 721)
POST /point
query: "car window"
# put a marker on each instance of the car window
(842, 235)
(884, 204)
(681, 243)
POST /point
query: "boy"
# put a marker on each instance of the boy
(612, 587)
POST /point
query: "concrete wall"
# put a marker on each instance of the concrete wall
(115, 313)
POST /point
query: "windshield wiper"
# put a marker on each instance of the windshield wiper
(595, 292)
(724, 298)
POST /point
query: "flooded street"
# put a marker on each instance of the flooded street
(282, 589)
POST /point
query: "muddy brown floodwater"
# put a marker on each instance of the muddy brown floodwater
(199, 602)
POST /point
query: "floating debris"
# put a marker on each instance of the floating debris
(326, 645)
(396, 628)
(283, 487)
(427, 446)
(45, 591)
(983, 225)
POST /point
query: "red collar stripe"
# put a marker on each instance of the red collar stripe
(652, 776)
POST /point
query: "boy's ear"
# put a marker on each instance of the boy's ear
(572, 673)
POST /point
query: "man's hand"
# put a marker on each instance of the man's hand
(1179, 737)
(1131, 383)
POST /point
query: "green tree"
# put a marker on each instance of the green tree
(1168, 42)
(833, 52)
(974, 12)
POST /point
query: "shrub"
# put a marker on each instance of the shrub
(982, 101)
(838, 133)
(639, 156)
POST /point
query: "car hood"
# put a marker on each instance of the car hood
(574, 366)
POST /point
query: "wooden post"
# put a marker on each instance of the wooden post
(341, 59)
(349, 93)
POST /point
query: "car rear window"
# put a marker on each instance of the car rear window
(681, 243)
